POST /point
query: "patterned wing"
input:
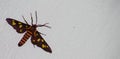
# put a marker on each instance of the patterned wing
(40, 42)
(17, 25)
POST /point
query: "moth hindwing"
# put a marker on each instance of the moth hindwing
(30, 31)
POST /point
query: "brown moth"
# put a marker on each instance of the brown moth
(30, 31)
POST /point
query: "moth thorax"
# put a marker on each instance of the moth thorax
(34, 27)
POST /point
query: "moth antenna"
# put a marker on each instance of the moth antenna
(24, 19)
(36, 16)
(31, 19)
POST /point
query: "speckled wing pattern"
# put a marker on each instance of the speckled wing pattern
(17, 25)
(40, 42)
(36, 38)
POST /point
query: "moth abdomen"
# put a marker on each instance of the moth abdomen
(25, 38)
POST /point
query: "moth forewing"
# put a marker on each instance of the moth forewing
(17, 25)
(38, 40)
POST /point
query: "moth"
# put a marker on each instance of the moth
(30, 31)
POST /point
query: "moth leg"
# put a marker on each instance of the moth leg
(42, 33)
(34, 46)
(44, 25)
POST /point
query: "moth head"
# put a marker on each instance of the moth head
(34, 26)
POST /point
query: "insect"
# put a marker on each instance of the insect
(30, 31)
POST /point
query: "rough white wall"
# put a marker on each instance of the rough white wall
(81, 29)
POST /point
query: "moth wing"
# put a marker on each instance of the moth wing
(17, 25)
(40, 42)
